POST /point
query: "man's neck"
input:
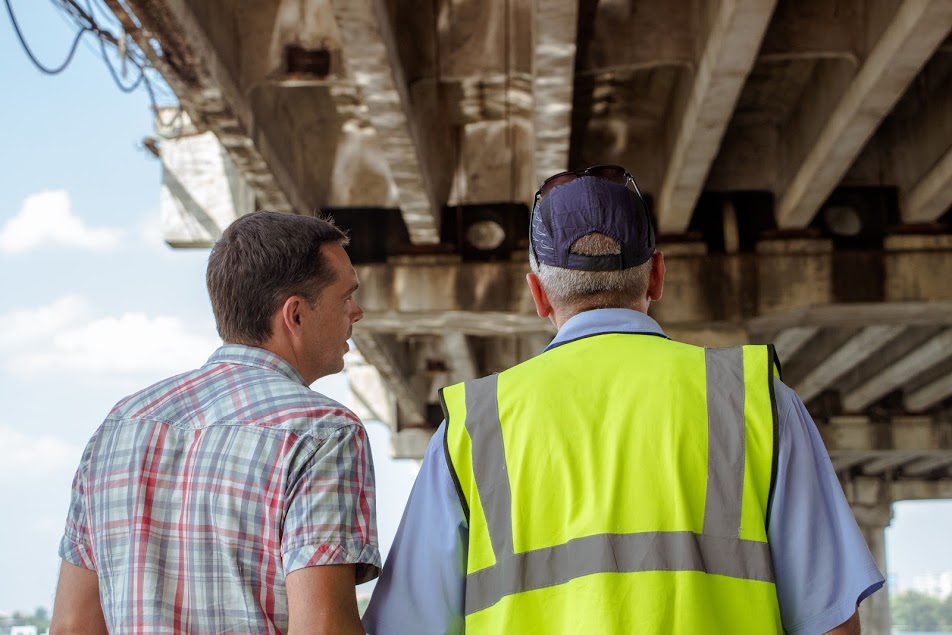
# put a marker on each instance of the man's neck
(561, 316)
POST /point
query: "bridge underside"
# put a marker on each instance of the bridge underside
(797, 155)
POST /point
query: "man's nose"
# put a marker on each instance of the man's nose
(359, 314)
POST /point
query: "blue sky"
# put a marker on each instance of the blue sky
(94, 305)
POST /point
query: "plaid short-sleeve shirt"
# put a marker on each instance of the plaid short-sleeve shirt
(197, 496)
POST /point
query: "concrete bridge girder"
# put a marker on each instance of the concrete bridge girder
(439, 311)
(797, 155)
(811, 81)
(420, 299)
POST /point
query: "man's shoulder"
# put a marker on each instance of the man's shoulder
(301, 409)
(787, 400)
(152, 394)
(228, 393)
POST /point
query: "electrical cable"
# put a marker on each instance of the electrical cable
(49, 71)
(105, 56)
(140, 63)
(115, 76)
(128, 51)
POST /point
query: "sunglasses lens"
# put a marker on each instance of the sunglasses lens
(614, 173)
(555, 181)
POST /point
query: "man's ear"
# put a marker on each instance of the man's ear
(539, 296)
(656, 281)
(290, 315)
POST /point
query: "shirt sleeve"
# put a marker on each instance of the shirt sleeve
(423, 582)
(330, 513)
(822, 565)
(76, 545)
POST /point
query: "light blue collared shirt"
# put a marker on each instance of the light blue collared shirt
(822, 565)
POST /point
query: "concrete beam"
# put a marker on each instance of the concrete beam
(381, 353)
(930, 394)
(793, 273)
(459, 356)
(893, 376)
(854, 434)
(916, 267)
(866, 491)
(791, 340)
(873, 520)
(913, 433)
(210, 95)
(371, 398)
(202, 191)
(410, 443)
(917, 140)
(887, 462)
(916, 30)
(845, 461)
(553, 82)
(813, 29)
(729, 52)
(872, 490)
(929, 199)
(858, 314)
(713, 291)
(928, 464)
(484, 323)
(920, 489)
(371, 57)
(867, 440)
(860, 347)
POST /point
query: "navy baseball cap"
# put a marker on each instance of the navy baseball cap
(585, 205)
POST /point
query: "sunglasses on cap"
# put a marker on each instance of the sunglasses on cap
(613, 173)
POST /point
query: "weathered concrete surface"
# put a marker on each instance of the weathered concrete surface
(729, 51)
(370, 54)
(908, 38)
(796, 154)
(202, 190)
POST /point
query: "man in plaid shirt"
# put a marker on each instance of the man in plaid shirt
(233, 498)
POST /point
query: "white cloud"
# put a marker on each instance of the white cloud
(22, 455)
(62, 338)
(47, 218)
(24, 326)
(131, 343)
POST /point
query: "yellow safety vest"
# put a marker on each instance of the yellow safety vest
(618, 483)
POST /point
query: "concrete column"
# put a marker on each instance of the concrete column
(873, 520)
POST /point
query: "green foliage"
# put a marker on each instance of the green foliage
(914, 611)
(40, 619)
(362, 601)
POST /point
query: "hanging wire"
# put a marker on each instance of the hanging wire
(128, 52)
(115, 75)
(49, 71)
(123, 53)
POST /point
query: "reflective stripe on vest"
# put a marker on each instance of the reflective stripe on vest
(709, 552)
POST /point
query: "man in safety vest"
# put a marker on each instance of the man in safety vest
(622, 482)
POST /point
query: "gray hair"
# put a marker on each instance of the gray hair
(583, 290)
(260, 261)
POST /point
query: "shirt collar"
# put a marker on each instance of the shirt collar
(598, 321)
(256, 357)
